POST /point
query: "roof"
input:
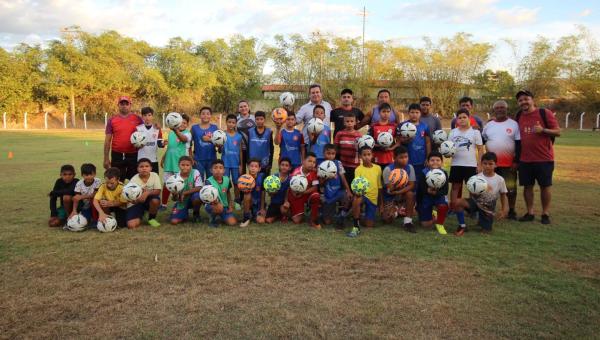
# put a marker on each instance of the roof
(283, 88)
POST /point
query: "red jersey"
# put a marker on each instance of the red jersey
(381, 155)
(536, 147)
(346, 142)
(311, 176)
(121, 129)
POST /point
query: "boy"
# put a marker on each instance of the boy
(318, 141)
(346, 143)
(311, 195)
(484, 204)
(254, 202)
(290, 141)
(177, 146)
(419, 146)
(222, 207)
(432, 197)
(279, 206)
(335, 190)
(381, 155)
(108, 198)
(260, 143)
(372, 172)
(188, 198)
(154, 139)
(393, 196)
(204, 149)
(85, 190)
(63, 190)
(231, 152)
(149, 200)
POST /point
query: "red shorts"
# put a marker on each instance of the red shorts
(297, 203)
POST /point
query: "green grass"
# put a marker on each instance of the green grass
(524, 280)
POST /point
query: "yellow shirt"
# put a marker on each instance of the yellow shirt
(373, 175)
(110, 195)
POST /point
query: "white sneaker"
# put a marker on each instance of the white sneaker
(245, 224)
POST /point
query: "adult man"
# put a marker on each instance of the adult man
(383, 96)
(503, 138)
(306, 111)
(537, 127)
(123, 154)
(433, 122)
(337, 115)
(467, 103)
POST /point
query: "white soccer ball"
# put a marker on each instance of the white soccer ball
(327, 169)
(448, 149)
(435, 178)
(173, 120)
(408, 130)
(175, 183)
(132, 191)
(219, 138)
(138, 139)
(287, 99)
(299, 184)
(439, 136)
(477, 185)
(366, 140)
(385, 139)
(209, 194)
(315, 125)
(76, 223)
(108, 226)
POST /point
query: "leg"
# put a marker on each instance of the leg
(528, 196)
(546, 197)
(153, 206)
(67, 201)
(390, 211)
(131, 163)
(314, 200)
(134, 223)
(454, 193)
(356, 205)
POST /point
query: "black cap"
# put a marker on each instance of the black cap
(524, 93)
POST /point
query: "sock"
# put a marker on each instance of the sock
(357, 222)
(165, 196)
(315, 200)
(151, 216)
(247, 216)
(407, 220)
(196, 213)
(442, 211)
(460, 216)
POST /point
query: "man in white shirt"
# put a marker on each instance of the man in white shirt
(306, 111)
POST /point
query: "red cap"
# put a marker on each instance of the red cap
(124, 99)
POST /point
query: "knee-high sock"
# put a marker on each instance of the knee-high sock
(460, 216)
(442, 211)
(165, 196)
(314, 201)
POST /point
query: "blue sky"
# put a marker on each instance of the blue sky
(404, 22)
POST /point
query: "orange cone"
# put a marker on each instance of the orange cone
(10, 155)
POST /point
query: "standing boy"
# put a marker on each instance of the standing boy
(177, 147)
(346, 144)
(383, 156)
(231, 153)
(290, 141)
(154, 139)
(317, 141)
(204, 150)
(260, 143)
(419, 146)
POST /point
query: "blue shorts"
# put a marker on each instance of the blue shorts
(233, 174)
(224, 215)
(370, 209)
(182, 214)
(137, 210)
(204, 167)
(425, 208)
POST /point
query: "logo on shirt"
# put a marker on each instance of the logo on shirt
(461, 142)
(295, 138)
(509, 131)
(235, 142)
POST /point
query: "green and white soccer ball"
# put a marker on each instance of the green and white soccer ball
(477, 185)
(76, 223)
(272, 184)
(108, 226)
(209, 194)
(360, 185)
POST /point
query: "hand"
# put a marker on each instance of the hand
(431, 191)
(286, 204)
(207, 137)
(102, 217)
(229, 209)
(165, 142)
(538, 128)
(104, 204)
(106, 163)
(162, 162)
(278, 123)
(404, 140)
(262, 212)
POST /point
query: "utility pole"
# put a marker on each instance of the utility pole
(69, 32)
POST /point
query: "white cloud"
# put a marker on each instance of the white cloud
(586, 12)
(454, 11)
(517, 16)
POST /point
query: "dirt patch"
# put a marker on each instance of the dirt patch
(586, 270)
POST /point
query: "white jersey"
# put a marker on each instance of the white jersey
(153, 136)
(500, 139)
(466, 150)
(306, 113)
(86, 190)
(487, 200)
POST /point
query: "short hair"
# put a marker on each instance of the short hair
(366, 147)
(385, 106)
(285, 159)
(310, 154)
(414, 106)
(88, 169)
(185, 117)
(329, 147)
(425, 99)
(67, 168)
(347, 91)
(231, 116)
(313, 86)
(384, 91)
(205, 108)
(217, 161)
(466, 99)
(318, 107)
(349, 115)
(185, 159)
(399, 150)
(112, 173)
(254, 160)
(498, 102)
(291, 114)
(465, 111)
(243, 101)
(147, 110)
(260, 114)
(144, 160)
(435, 154)
(489, 156)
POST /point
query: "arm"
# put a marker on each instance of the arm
(182, 138)
(229, 200)
(479, 154)
(427, 145)
(107, 142)
(278, 135)
(271, 151)
(504, 203)
(365, 121)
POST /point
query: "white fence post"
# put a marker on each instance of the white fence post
(46, 120)
(25, 120)
(105, 119)
(220, 118)
(567, 120)
(163, 119)
(598, 121)
(85, 120)
(581, 121)
(4, 119)
(65, 120)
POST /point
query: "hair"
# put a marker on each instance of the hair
(185, 159)
(384, 91)
(425, 99)
(318, 107)
(88, 169)
(414, 106)
(329, 147)
(67, 168)
(285, 159)
(524, 93)
(499, 102)
(347, 91)
(112, 173)
(217, 161)
(489, 156)
(147, 110)
(465, 111)
(243, 101)
(231, 116)
(399, 150)
(144, 160)
(310, 154)
(385, 106)
(366, 147)
(206, 108)
(253, 160)
(349, 115)
(466, 100)
(291, 114)
(435, 154)
(185, 117)
(260, 114)
(313, 86)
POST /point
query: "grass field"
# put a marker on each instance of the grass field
(524, 280)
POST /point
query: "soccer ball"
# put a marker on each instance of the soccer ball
(398, 178)
(299, 184)
(246, 183)
(272, 184)
(209, 194)
(175, 183)
(448, 149)
(327, 169)
(477, 185)
(138, 139)
(279, 114)
(385, 139)
(435, 178)
(287, 99)
(366, 140)
(132, 191)
(439, 136)
(408, 130)
(315, 125)
(173, 120)
(360, 185)
(76, 223)
(108, 226)
(219, 137)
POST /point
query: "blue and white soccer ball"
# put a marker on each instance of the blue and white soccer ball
(477, 185)
(209, 194)
(108, 226)
(435, 178)
(132, 191)
(366, 140)
(173, 120)
(219, 138)
(385, 139)
(439, 136)
(175, 183)
(287, 99)
(408, 130)
(299, 184)
(327, 169)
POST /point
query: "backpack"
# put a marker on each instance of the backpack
(544, 120)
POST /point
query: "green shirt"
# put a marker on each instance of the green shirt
(222, 187)
(176, 149)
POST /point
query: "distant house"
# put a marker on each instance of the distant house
(273, 91)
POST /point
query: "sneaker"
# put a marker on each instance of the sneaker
(440, 229)
(512, 215)
(545, 219)
(154, 223)
(213, 223)
(410, 227)
(315, 226)
(162, 207)
(460, 231)
(354, 232)
(527, 218)
(486, 231)
(245, 223)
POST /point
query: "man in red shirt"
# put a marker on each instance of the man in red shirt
(123, 154)
(536, 160)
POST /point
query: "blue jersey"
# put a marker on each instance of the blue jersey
(231, 150)
(203, 151)
(290, 145)
(408, 168)
(417, 147)
(260, 146)
(280, 196)
(334, 187)
(323, 139)
(258, 188)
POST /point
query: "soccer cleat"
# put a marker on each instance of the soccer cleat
(512, 215)
(245, 223)
(460, 231)
(354, 232)
(315, 226)
(154, 223)
(527, 218)
(410, 227)
(545, 219)
(440, 229)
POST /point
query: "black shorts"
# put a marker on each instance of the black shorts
(510, 178)
(126, 162)
(541, 172)
(155, 167)
(349, 174)
(274, 210)
(459, 174)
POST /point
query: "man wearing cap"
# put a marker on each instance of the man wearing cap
(123, 154)
(537, 127)
(306, 111)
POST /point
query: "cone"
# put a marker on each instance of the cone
(10, 155)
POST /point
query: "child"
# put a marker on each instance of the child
(63, 190)
(85, 190)
(318, 141)
(108, 198)
(393, 197)
(335, 190)
(149, 200)
(432, 197)
(222, 207)
(381, 155)
(279, 206)
(419, 146)
(231, 153)
(188, 198)
(372, 172)
(154, 139)
(177, 146)
(290, 141)
(311, 195)
(484, 204)
(260, 143)
(465, 162)
(204, 149)
(254, 202)
(346, 143)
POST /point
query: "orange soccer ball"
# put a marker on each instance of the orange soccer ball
(398, 178)
(279, 114)
(246, 183)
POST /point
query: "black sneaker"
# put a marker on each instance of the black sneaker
(527, 218)
(545, 219)
(512, 215)
(410, 227)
